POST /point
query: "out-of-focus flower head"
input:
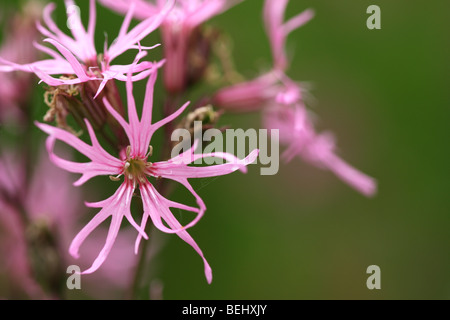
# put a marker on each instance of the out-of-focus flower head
(179, 34)
(185, 13)
(297, 132)
(38, 215)
(273, 85)
(281, 100)
(38, 219)
(76, 58)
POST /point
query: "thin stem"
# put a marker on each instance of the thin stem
(133, 292)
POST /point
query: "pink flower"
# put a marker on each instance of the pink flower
(281, 100)
(258, 93)
(13, 247)
(17, 46)
(29, 209)
(296, 130)
(177, 30)
(135, 167)
(77, 55)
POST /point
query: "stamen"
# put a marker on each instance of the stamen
(100, 58)
(135, 168)
(115, 179)
(150, 151)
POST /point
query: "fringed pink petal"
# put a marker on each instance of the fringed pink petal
(140, 75)
(118, 117)
(127, 20)
(158, 208)
(147, 108)
(86, 231)
(92, 20)
(95, 153)
(171, 170)
(125, 69)
(174, 224)
(57, 33)
(102, 163)
(76, 65)
(118, 207)
(139, 32)
(86, 49)
(102, 85)
(110, 239)
(51, 81)
(143, 8)
(96, 145)
(48, 51)
(133, 119)
(49, 66)
(206, 10)
(137, 243)
(353, 177)
(145, 47)
(166, 120)
(298, 21)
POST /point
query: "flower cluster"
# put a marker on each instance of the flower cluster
(85, 103)
(281, 101)
(78, 60)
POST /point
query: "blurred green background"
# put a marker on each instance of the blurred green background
(303, 234)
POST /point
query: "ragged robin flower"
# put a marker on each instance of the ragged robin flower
(134, 167)
(281, 100)
(181, 34)
(77, 59)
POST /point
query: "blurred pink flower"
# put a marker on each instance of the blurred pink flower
(296, 130)
(134, 166)
(18, 46)
(256, 94)
(49, 200)
(43, 200)
(259, 93)
(15, 265)
(77, 55)
(281, 100)
(176, 30)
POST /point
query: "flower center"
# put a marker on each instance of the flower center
(96, 65)
(135, 168)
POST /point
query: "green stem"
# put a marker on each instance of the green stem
(133, 293)
(134, 290)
